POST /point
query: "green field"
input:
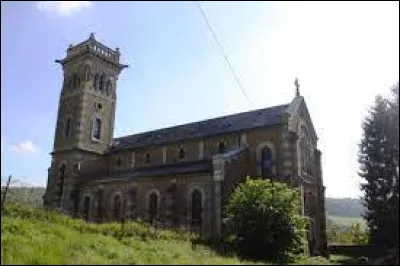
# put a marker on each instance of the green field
(35, 236)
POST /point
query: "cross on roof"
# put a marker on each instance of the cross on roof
(296, 83)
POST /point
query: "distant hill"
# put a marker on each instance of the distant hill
(344, 207)
(31, 196)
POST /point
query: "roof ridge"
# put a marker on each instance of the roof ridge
(201, 121)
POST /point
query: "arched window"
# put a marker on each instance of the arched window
(181, 154)
(108, 87)
(153, 207)
(117, 208)
(86, 208)
(75, 81)
(96, 82)
(147, 158)
(99, 206)
(62, 178)
(221, 147)
(75, 202)
(102, 83)
(305, 151)
(266, 162)
(96, 129)
(133, 194)
(68, 128)
(196, 207)
(119, 162)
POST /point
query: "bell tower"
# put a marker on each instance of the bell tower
(86, 114)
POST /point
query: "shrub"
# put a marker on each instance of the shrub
(264, 221)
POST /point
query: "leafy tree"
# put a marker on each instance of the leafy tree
(264, 220)
(378, 157)
(357, 235)
(344, 234)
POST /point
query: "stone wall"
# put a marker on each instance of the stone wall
(207, 147)
(169, 188)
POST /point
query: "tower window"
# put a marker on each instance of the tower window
(97, 128)
(108, 87)
(102, 83)
(96, 81)
(68, 128)
(119, 162)
(147, 158)
(75, 81)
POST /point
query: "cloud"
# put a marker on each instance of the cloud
(62, 8)
(24, 147)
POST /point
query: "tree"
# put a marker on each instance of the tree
(378, 158)
(264, 220)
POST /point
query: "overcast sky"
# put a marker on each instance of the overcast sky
(344, 53)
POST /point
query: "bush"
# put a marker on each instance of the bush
(264, 221)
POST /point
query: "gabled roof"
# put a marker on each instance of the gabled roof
(225, 124)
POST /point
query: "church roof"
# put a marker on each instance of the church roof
(198, 166)
(220, 125)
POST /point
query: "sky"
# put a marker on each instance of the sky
(344, 54)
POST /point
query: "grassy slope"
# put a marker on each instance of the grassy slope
(33, 236)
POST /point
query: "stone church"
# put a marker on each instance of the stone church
(179, 176)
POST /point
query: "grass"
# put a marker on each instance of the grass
(36, 236)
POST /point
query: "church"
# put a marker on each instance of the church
(178, 176)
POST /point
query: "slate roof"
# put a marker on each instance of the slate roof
(198, 166)
(225, 124)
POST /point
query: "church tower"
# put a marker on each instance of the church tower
(86, 113)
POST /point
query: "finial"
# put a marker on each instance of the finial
(296, 83)
(91, 36)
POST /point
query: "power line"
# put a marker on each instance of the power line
(222, 50)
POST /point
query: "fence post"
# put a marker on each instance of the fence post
(5, 192)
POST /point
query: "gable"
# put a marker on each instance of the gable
(299, 116)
